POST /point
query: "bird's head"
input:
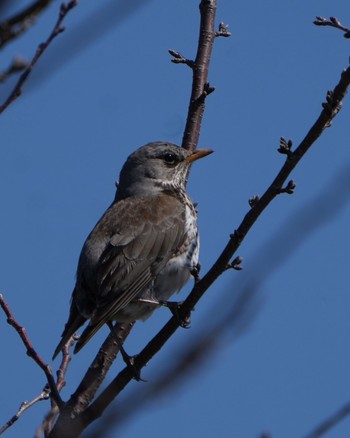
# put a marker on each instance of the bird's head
(156, 167)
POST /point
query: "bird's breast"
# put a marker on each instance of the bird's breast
(177, 271)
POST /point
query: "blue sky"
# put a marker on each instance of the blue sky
(105, 87)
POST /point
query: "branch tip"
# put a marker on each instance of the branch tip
(223, 31)
(320, 21)
(252, 201)
(179, 59)
(332, 22)
(289, 188)
(285, 147)
(335, 21)
(236, 264)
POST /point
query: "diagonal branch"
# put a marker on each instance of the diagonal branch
(19, 23)
(330, 110)
(31, 352)
(44, 395)
(17, 91)
(50, 417)
(330, 422)
(90, 383)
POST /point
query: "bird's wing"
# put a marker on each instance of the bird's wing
(146, 236)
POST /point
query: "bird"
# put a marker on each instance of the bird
(143, 249)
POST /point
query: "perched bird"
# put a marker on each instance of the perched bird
(144, 247)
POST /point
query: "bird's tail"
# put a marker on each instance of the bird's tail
(87, 334)
(75, 321)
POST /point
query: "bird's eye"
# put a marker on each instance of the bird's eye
(170, 158)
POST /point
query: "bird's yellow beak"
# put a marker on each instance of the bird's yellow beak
(197, 154)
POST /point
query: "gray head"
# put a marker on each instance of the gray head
(154, 167)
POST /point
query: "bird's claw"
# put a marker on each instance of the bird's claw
(128, 360)
(174, 306)
(195, 272)
(134, 370)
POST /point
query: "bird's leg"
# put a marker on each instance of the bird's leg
(129, 360)
(173, 306)
(195, 272)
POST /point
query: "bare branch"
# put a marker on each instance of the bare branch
(31, 352)
(333, 22)
(50, 417)
(44, 395)
(92, 380)
(200, 85)
(179, 59)
(16, 92)
(19, 23)
(330, 422)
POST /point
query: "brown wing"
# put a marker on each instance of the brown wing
(147, 234)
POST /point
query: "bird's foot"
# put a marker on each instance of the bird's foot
(174, 307)
(128, 360)
(133, 368)
(195, 272)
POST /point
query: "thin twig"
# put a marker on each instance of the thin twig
(31, 352)
(180, 59)
(92, 380)
(333, 22)
(44, 395)
(16, 92)
(19, 23)
(50, 417)
(200, 67)
(330, 422)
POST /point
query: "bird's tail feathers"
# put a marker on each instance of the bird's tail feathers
(87, 334)
(75, 321)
